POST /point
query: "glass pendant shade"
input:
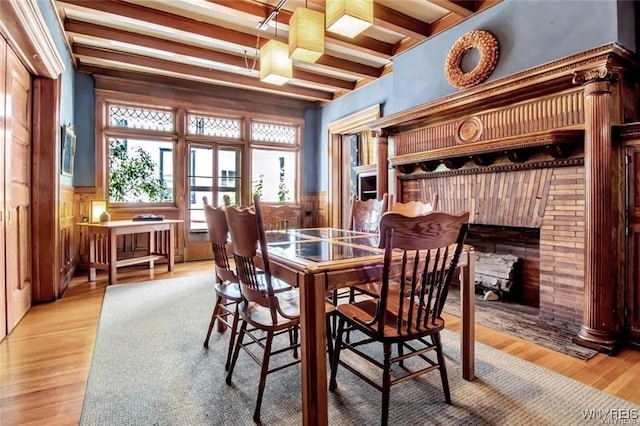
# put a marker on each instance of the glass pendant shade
(275, 65)
(349, 17)
(306, 35)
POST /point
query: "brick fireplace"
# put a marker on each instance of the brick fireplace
(549, 199)
(524, 244)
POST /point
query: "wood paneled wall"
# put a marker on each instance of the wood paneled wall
(314, 210)
(563, 110)
(67, 237)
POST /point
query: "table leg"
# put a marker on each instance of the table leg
(313, 352)
(92, 256)
(113, 257)
(467, 301)
(152, 247)
(170, 248)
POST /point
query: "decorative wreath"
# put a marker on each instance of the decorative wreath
(486, 44)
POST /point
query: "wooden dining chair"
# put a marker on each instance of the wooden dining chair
(410, 314)
(410, 208)
(265, 310)
(364, 216)
(414, 208)
(276, 218)
(225, 310)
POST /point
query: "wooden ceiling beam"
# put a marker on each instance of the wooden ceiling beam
(444, 23)
(181, 23)
(220, 77)
(395, 21)
(253, 9)
(199, 91)
(462, 8)
(106, 33)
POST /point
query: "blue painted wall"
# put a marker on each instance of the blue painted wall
(67, 78)
(530, 33)
(84, 102)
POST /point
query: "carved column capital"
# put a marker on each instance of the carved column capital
(380, 133)
(606, 72)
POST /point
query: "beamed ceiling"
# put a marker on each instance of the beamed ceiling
(216, 42)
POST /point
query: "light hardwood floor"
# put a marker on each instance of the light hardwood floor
(44, 362)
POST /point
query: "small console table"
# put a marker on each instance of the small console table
(103, 248)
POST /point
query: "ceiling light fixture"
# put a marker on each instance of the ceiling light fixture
(306, 35)
(265, 24)
(275, 65)
(349, 17)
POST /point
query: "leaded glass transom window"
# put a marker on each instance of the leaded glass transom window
(140, 118)
(214, 126)
(278, 133)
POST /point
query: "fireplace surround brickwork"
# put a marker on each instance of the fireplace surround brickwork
(551, 199)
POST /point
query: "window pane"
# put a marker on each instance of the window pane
(213, 126)
(140, 171)
(279, 133)
(140, 118)
(200, 179)
(228, 175)
(196, 210)
(273, 175)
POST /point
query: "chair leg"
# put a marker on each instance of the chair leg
(293, 340)
(333, 385)
(442, 368)
(386, 384)
(400, 353)
(334, 316)
(232, 338)
(214, 315)
(236, 351)
(263, 375)
(329, 338)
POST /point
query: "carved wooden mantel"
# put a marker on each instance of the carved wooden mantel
(556, 118)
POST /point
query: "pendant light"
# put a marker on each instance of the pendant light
(349, 17)
(275, 65)
(306, 35)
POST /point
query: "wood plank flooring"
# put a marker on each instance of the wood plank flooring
(44, 362)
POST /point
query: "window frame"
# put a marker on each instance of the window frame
(295, 147)
(180, 139)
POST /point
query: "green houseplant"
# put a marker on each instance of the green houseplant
(133, 175)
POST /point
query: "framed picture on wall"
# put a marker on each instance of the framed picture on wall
(68, 149)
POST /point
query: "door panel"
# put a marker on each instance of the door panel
(213, 171)
(3, 288)
(17, 190)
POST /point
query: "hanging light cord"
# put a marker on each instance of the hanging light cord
(255, 57)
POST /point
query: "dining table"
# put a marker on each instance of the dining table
(318, 260)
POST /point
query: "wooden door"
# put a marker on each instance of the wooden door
(632, 302)
(214, 171)
(17, 175)
(3, 288)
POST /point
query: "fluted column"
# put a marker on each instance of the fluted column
(382, 145)
(599, 328)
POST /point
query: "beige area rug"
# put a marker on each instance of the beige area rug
(149, 368)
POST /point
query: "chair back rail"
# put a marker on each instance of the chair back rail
(431, 245)
(414, 208)
(276, 218)
(218, 234)
(364, 216)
